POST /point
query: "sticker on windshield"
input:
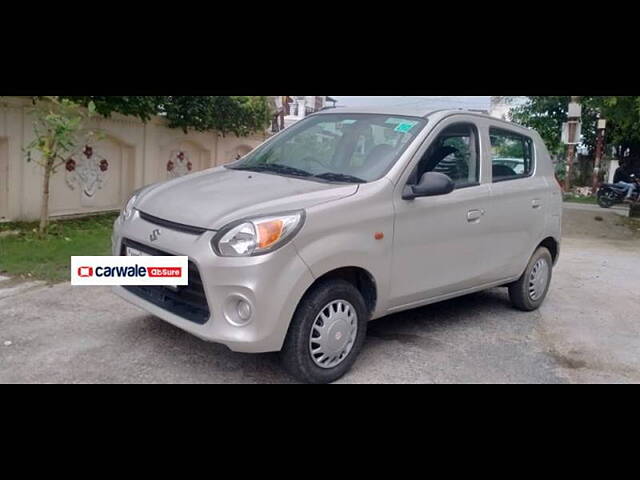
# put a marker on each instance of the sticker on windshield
(402, 124)
(405, 126)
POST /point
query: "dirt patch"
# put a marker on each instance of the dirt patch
(605, 225)
(566, 361)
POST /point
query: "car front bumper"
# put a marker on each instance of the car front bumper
(272, 284)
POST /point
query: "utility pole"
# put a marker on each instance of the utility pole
(597, 161)
(572, 128)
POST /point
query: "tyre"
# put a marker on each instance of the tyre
(326, 333)
(606, 199)
(530, 290)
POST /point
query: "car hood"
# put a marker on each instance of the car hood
(215, 197)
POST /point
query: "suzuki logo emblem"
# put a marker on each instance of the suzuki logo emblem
(154, 235)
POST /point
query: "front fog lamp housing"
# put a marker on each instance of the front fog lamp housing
(237, 310)
(257, 236)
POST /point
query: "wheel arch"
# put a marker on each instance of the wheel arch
(359, 277)
(553, 245)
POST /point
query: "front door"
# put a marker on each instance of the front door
(441, 244)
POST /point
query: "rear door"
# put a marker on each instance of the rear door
(519, 198)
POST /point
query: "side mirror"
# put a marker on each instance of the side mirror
(430, 185)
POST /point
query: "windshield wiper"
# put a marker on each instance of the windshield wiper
(276, 168)
(340, 177)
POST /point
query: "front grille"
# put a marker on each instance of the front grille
(180, 227)
(189, 302)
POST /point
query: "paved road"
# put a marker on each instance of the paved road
(619, 209)
(587, 331)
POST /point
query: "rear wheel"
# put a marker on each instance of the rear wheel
(606, 199)
(326, 333)
(530, 290)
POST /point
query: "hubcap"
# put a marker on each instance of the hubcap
(333, 334)
(538, 279)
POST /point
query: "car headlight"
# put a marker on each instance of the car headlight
(127, 210)
(257, 236)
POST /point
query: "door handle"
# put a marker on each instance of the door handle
(535, 203)
(474, 215)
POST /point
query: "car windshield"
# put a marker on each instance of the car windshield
(351, 148)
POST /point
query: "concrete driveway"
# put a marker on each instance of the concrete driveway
(620, 209)
(587, 331)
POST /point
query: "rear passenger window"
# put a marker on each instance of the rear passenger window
(511, 155)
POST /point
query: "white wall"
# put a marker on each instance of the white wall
(136, 154)
(4, 185)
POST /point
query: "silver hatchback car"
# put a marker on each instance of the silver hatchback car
(345, 217)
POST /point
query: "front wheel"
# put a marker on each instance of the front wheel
(326, 333)
(530, 290)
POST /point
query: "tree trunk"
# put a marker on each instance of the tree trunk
(44, 210)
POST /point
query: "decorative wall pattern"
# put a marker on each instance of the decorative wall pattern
(179, 164)
(87, 169)
(101, 176)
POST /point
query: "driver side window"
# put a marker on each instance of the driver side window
(455, 153)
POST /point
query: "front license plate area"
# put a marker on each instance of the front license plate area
(134, 252)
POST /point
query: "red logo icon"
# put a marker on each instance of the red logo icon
(85, 272)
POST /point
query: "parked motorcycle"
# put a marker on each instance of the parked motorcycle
(610, 194)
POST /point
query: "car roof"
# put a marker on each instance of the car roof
(413, 111)
(408, 110)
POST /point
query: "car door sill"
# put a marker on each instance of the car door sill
(447, 296)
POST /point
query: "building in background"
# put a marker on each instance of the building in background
(501, 107)
(289, 110)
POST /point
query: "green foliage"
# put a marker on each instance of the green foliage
(58, 127)
(547, 113)
(507, 147)
(623, 121)
(240, 115)
(143, 107)
(30, 255)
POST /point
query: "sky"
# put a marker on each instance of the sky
(467, 102)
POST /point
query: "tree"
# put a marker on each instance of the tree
(547, 113)
(60, 122)
(59, 129)
(240, 115)
(623, 122)
(144, 107)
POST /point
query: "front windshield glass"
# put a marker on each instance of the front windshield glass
(336, 147)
